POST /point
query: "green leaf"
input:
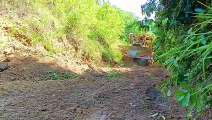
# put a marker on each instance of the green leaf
(190, 30)
(203, 40)
(192, 102)
(180, 98)
(176, 64)
(199, 105)
(185, 100)
(180, 92)
(169, 61)
(180, 95)
(164, 21)
(185, 85)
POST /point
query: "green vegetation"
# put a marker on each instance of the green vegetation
(56, 75)
(132, 25)
(182, 38)
(93, 30)
(112, 74)
(183, 43)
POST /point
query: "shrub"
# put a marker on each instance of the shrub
(112, 74)
(93, 29)
(185, 49)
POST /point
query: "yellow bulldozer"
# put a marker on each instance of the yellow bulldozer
(142, 40)
(141, 48)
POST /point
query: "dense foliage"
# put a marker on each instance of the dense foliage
(183, 42)
(94, 30)
(131, 24)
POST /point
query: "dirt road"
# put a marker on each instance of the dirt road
(28, 91)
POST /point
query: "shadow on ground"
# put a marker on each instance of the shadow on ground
(39, 89)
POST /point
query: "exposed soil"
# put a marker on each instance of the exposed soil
(26, 92)
(38, 87)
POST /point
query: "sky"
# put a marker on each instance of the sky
(133, 6)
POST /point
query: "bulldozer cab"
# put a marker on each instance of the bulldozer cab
(133, 38)
(144, 40)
